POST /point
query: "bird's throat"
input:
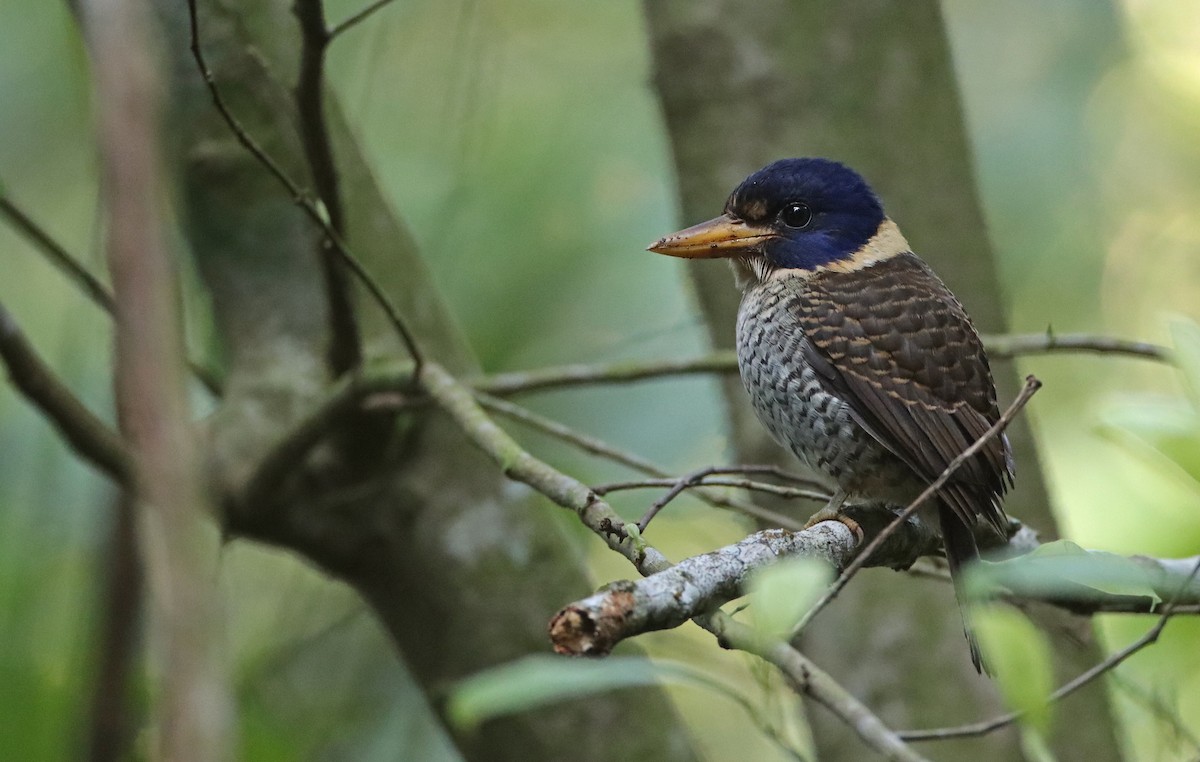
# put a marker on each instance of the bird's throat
(750, 270)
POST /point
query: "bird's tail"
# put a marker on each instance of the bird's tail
(961, 549)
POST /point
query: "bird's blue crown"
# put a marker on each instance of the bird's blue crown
(821, 211)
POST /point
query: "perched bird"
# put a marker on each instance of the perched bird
(854, 353)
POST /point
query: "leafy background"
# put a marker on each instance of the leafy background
(521, 142)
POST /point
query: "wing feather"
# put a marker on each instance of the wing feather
(896, 345)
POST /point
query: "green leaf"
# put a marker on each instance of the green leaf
(1059, 568)
(1164, 428)
(785, 591)
(537, 681)
(1185, 335)
(1019, 656)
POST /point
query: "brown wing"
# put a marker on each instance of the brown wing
(896, 345)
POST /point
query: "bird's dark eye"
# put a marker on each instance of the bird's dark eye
(796, 214)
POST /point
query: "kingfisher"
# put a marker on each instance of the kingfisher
(855, 355)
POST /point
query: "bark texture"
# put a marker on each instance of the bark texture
(870, 84)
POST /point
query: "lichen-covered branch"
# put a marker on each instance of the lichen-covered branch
(690, 588)
(698, 585)
(456, 399)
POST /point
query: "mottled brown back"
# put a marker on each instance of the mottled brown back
(894, 343)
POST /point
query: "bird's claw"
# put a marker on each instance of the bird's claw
(828, 514)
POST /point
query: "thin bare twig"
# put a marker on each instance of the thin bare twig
(299, 197)
(698, 478)
(1017, 345)
(1159, 706)
(1031, 386)
(998, 346)
(1113, 660)
(715, 481)
(89, 284)
(567, 434)
(357, 18)
(57, 254)
(519, 382)
(631, 460)
(807, 678)
(87, 435)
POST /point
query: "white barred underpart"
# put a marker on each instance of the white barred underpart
(788, 398)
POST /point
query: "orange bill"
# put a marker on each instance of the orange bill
(722, 236)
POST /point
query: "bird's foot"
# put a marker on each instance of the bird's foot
(831, 514)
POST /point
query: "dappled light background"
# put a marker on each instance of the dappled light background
(522, 143)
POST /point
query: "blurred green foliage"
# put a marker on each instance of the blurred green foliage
(1018, 655)
(521, 142)
(784, 592)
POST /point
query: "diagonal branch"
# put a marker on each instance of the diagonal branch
(89, 284)
(457, 401)
(89, 436)
(357, 18)
(57, 254)
(807, 678)
(693, 482)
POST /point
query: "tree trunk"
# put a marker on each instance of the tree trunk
(463, 567)
(870, 84)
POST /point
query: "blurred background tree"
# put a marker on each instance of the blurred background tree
(525, 150)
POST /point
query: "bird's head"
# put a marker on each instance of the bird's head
(800, 215)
